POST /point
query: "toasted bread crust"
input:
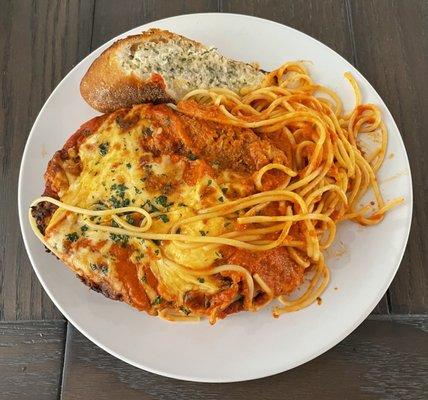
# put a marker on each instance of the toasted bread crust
(106, 87)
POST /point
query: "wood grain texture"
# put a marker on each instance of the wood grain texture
(31, 357)
(39, 42)
(391, 45)
(111, 20)
(383, 359)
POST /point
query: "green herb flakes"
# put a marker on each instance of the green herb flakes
(184, 310)
(130, 219)
(158, 300)
(162, 200)
(192, 157)
(147, 132)
(120, 239)
(104, 148)
(72, 237)
(149, 207)
(164, 218)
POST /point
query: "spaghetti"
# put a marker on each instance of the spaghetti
(326, 175)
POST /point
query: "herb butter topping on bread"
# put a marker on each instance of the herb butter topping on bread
(159, 66)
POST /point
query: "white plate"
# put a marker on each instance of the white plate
(247, 345)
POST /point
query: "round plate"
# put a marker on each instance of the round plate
(245, 346)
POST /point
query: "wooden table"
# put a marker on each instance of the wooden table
(44, 357)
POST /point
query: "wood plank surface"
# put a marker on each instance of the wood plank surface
(40, 41)
(391, 42)
(111, 20)
(31, 357)
(382, 359)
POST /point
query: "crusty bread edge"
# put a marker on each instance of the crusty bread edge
(106, 87)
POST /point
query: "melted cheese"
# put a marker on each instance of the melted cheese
(113, 176)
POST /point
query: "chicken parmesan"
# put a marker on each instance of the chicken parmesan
(172, 166)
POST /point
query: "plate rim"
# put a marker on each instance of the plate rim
(218, 379)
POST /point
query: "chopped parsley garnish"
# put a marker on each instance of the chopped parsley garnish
(201, 280)
(224, 190)
(164, 218)
(130, 219)
(120, 188)
(209, 182)
(128, 165)
(192, 157)
(84, 228)
(147, 132)
(158, 300)
(162, 200)
(240, 299)
(99, 205)
(148, 206)
(114, 224)
(143, 278)
(157, 252)
(118, 203)
(120, 239)
(72, 237)
(101, 268)
(221, 199)
(118, 199)
(184, 310)
(203, 233)
(103, 148)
